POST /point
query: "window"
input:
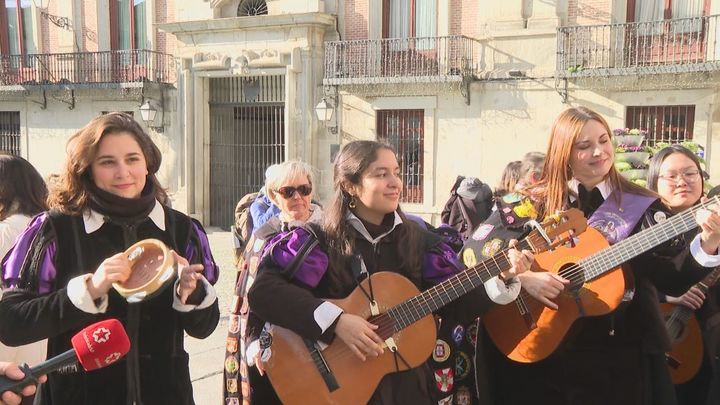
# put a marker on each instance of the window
(16, 28)
(404, 130)
(127, 24)
(659, 10)
(409, 18)
(10, 132)
(248, 8)
(671, 124)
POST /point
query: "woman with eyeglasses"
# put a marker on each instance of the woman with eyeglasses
(290, 187)
(364, 232)
(676, 175)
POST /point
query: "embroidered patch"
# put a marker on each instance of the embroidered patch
(231, 345)
(231, 365)
(234, 326)
(469, 258)
(444, 379)
(482, 232)
(512, 198)
(659, 216)
(243, 370)
(442, 351)
(232, 385)
(463, 396)
(509, 219)
(457, 335)
(462, 366)
(232, 401)
(245, 388)
(446, 401)
(471, 333)
(258, 245)
(525, 210)
(490, 248)
(253, 265)
(235, 305)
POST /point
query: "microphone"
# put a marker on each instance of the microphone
(96, 346)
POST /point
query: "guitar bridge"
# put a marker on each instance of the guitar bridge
(374, 309)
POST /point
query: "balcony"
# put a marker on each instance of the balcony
(404, 60)
(129, 68)
(670, 46)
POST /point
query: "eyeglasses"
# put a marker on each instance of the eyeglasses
(690, 177)
(289, 191)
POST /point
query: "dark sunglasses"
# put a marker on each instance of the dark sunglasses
(289, 191)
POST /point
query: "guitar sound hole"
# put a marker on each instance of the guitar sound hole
(575, 274)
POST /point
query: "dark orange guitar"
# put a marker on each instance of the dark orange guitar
(685, 358)
(302, 373)
(526, 331)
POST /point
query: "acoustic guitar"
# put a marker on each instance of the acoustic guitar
(685, 357)
(526, 331)
(302, 373)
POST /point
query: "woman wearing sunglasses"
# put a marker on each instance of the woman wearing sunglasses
(289, 186)
(365, 230)
(675, 174)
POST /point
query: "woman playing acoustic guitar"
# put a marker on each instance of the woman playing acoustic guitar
(676, 175)
(616, 358)
(364, 232)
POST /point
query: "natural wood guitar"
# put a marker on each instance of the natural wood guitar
(302, 373)
(526, 331)
(685, 358)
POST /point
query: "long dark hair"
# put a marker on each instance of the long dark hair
(658, 159)
(349, 167)
(22, 189)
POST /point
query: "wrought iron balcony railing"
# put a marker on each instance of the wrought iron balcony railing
(668, 46)
(126, 66)
(403, 60)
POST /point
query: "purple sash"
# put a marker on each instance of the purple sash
(617, 222)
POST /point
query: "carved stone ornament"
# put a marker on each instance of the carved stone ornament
(210, 61)
(259, 59)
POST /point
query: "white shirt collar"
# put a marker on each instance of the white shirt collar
(358, 225)
(604, 186)
(93, 220)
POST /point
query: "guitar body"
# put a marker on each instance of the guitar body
(685, 358)
(296, 378)
(534, 335)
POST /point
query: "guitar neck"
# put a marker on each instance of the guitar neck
(455, 287)
(639, 243)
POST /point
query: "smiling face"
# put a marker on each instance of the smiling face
(297, 206)
(378, 193)
(592, 154)
(679, 182)
(119, 166)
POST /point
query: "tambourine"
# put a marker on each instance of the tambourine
(153, 267)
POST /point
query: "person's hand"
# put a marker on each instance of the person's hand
(359, 335)
(709, 221)
(114, 269)
(11, 371)
(259, 363)
(692, 299)
(543, 286)
(188, 275)
(519, 260)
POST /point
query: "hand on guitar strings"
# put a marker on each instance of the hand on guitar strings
(709, 221)
(692, 299)
(359, 335)
(519, 260)
(543, 286)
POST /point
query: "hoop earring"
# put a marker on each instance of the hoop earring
(352, 204)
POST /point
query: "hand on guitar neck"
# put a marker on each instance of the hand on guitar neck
(521, 260)
(692, 299)
(709, 221)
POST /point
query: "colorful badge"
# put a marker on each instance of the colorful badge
(442, 351)
(490, 248)
(234, 326)
(471, 333)
(232, 401)
(231, 385)
(482, 232)
(469, 258)
(444, 379)
(231, 365)
(457, 334)
(525, 210)
(446, 401)
(253, 266)
(659, 216)
(463, 396)
(245, 387)
(509, 219)
(231, 344)
(235, 304)
(462, 366)
(258, 245)
(512, 198)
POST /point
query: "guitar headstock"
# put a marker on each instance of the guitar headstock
(557, 229)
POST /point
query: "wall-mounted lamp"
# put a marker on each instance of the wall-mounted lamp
(325, 110)
(148, 113)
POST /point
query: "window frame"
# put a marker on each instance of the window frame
(411, 193)
(667, 11)
(663, 117)
(4, 40)
(114, 34)
(412, 29)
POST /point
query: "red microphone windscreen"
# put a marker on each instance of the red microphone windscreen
(101, 344)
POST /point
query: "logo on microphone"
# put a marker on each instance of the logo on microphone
(101, 335)
(112, 358)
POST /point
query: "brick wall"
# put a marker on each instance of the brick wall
(356, 19)
(90, 38)
(464, 18)
(589, 12)
(165, 12)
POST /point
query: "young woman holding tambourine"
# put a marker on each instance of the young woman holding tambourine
(618, 357)
(61, 271)
(364, 233)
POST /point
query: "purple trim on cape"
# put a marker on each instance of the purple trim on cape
(312, 269)
(13, 262)
(210, 270)
(617, 222)
(441, 263)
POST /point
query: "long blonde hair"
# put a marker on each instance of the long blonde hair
(551, 192)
